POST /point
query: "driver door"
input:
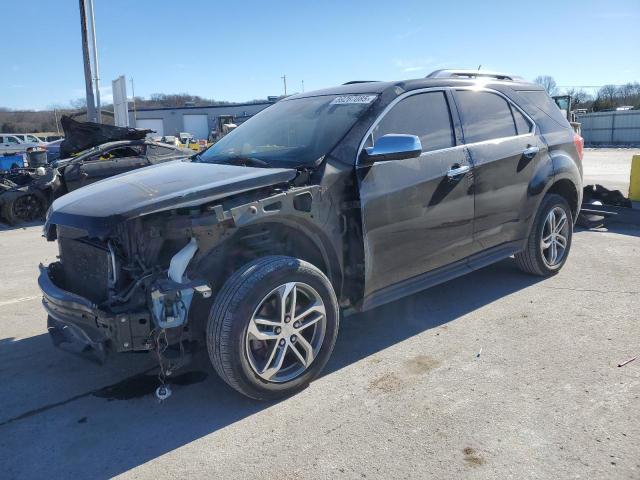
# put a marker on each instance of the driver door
(416, 217)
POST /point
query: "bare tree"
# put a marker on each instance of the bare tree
(579, 97)
(548, 83)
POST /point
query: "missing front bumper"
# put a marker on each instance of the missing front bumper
(78, 325)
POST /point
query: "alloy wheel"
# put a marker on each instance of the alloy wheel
(27, 208)
(286, 332)
(555, 235)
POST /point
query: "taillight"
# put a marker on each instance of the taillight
(579, 141)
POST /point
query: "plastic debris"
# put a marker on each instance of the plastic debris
(627, 361)
(478, 354)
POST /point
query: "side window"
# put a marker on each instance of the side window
(485, 116)
(425, 115)
(118, 152)
(522, 124)
(160, 151)
(12, 140)
(31, 138)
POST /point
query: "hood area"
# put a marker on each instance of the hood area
(98, 207)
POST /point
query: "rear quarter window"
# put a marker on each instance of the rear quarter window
(543, 109)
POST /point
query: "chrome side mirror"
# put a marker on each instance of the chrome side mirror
(392, 147)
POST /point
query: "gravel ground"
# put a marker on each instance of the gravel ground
(405, 395)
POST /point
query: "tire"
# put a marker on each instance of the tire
(242, 357)
(35, 207)
(537, 260)
(586, 220)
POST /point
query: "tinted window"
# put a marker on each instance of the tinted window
(484, 116)
(160, 151)
(425, 115)
(545, 104)
(119, 152)
(522, 124)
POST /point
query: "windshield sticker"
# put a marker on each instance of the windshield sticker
(351, 99)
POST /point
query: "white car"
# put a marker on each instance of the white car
(11, 143)
(28, 138)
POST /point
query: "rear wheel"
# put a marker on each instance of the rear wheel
(549, 242)
(272, 327)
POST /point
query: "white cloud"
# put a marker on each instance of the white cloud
(412, 69)
(413, 65)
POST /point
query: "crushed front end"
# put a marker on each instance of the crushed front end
(127, 293)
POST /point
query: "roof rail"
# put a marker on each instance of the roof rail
(352, 82)
(472, 74)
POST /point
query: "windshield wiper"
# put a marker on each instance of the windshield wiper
(245, 161)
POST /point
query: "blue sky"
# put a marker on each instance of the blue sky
(238, 50)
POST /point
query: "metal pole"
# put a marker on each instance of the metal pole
(302, 86)
(96, 70)
(133, 97)
(55, 114)
(91, 107)
(284, 79)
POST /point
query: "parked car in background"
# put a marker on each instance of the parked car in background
(10, 143)
(171, 140)
(29, 138)
(345, 198)
(25, 194)
(50, 138)
(53, 150)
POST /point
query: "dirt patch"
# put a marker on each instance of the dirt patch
(472, 458)
(387, 383)
(421, 364)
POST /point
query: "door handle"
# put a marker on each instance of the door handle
(458, 170)
(530, 152)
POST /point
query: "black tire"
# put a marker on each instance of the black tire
(13, 216)
(233, 309)
(587, 220)
(531, 260)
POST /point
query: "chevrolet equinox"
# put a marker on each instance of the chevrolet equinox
(335, 200)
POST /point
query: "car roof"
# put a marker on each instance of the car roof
(401, 86)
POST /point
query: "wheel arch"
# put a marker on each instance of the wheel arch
(290, 236)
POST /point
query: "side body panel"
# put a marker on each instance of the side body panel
(415, 218)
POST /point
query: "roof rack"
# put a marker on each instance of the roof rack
(472, 74)
(352, 82)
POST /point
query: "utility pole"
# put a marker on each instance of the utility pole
(91, 107)
(284, 79)
(55, 114)
(133, 96)
(96, 70)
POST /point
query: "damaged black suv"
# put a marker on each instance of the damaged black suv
(334, 200)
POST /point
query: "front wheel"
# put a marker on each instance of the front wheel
(549, 242)
(22, 207)
(272, 327)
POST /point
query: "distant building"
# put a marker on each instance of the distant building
(198, 121)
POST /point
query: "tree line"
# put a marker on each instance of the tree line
(608, 97)
(35, 121)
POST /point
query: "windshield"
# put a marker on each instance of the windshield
(291, 133)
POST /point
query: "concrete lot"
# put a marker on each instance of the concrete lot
(404, 396)
(610, 167)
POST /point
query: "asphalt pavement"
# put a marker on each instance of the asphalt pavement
(493, 375)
